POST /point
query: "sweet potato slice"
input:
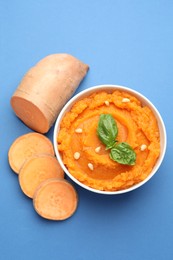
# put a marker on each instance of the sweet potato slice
(36, 170)
(25, 147)
(45, 89)
(55, 199)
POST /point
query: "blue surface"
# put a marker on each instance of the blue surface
(127, 43)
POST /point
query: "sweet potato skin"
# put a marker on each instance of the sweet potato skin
(45, 88)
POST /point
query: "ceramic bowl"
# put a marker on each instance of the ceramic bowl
(111, 88)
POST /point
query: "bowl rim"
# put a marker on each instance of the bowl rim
(111, 87)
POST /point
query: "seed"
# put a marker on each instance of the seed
(107, 103)
(78, 130)
(90, 166)
(97, 150)
(125, 100)
(76, 155)
(143, 147)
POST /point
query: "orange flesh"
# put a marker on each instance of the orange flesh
(36, 170)
(25, 147)
(55, 199)
(136, 126)
(30, 114)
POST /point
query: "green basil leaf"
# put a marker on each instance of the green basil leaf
(123, 154)
(107, 130)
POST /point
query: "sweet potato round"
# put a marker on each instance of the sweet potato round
(26, 146)
(55, 199)
(37, 169)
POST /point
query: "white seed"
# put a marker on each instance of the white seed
(76, 155)
(97, 150)
(90, 166)
(125, 100)
(107, 103)
(143, 147)
(78, 130)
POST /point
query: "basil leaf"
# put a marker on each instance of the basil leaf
(107, 130)
(123, 154)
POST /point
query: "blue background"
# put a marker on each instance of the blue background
(124, 42)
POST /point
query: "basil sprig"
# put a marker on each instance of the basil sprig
(107, 132)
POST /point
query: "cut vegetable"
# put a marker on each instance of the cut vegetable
(36, 170)
(25, 147)
(45, 89)
(55, 199)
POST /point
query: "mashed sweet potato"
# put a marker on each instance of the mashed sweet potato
(85, 156)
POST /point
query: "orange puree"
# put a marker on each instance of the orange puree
(136, 125)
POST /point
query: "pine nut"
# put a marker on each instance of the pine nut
(90, 166)
(76, 155)
(125, 100)
(107, 103)
(78, 130)
(97, 150)
(143, 147)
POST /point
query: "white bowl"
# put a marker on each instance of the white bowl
(110, 88)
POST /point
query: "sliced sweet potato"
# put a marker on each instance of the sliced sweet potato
(55, 199)
(25, 147)
(36, 170)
